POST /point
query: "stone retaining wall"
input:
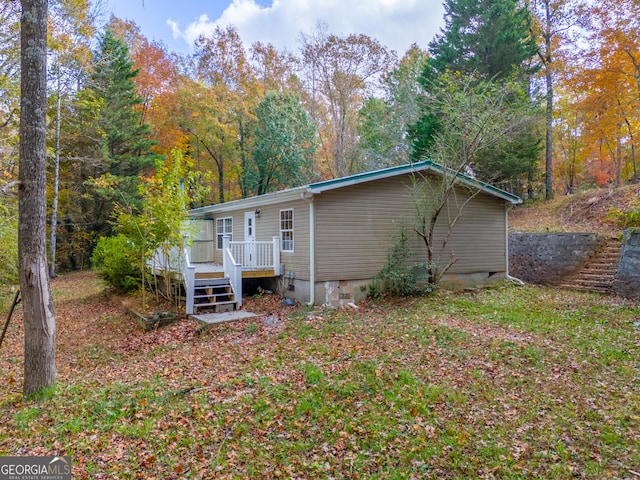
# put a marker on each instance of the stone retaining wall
(627, 282)
(547, 258)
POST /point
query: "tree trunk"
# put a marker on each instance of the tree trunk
(39, 319)
(56, 186)
(618, 163)
(220, 165)
(634, 177)
(633, 161)
(549, 119)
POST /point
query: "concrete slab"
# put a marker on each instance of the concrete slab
(215, 318)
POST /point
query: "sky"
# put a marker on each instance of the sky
(396, 24)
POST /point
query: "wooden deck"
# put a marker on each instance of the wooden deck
(214, 270)
(241, 260)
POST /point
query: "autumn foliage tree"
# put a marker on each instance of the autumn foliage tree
(70, 56)
(367, 107)
(156, 82)
(9, 115)
(554, 20)
(612, 80)
(340, 74)
(285, 144)
(383, 121)
(9, 73)
(227, 92)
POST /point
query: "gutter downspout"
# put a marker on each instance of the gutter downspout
(506, 223)
(312, 247)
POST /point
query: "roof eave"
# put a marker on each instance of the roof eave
(326, 185)
(249, 203)
(320, 187)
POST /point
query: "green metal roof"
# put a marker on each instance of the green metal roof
(320, 187)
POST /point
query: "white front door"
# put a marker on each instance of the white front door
(250, 238)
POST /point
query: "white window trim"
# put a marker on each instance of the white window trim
(220, 234)
(293, 242)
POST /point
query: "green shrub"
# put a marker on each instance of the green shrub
(399, 277)
(629, 219)
(117, 261)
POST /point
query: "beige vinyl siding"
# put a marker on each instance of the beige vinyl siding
(479, 239)
(268, 226)
(355, 227)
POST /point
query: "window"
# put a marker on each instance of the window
(224, 226)
(286, 230)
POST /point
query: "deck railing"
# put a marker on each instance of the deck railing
(257, 255)
(237, 257)
(166, 262)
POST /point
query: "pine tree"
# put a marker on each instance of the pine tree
(126, 145)
(489, 40)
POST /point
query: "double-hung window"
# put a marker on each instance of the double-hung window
(286, 230)
(224, 226)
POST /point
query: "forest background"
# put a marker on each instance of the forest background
(247, 121)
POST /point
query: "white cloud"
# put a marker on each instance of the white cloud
(394, 23)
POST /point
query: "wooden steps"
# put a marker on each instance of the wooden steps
(599, 272)
(214, 294)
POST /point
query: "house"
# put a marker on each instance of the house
(323, 243)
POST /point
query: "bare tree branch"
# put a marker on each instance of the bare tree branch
(5, 189)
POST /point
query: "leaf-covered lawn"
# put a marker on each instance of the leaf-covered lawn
(505, 383)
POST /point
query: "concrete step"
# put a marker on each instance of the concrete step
(589, 281)
(605, 285)
(594, 276)
(594, 272)
(599, 273)
(587, 276)
(588, 288)
(230, 303)
(603, 262)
